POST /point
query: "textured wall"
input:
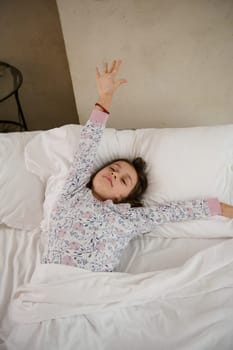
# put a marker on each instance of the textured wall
(177, 57)
(31, 39)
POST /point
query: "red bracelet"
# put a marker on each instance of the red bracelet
(104, 110)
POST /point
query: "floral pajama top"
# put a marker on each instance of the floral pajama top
(92, 234)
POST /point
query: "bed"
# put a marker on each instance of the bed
(174, 286)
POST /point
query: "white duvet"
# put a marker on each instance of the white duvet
(194, 313)
(174, 286)
(61, 291)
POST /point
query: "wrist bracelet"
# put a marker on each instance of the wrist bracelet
(104, 110)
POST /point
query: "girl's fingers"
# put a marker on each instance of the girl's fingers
(116, 68)
(113, 66)
(105, 67)
(120, 82)
(123, 81)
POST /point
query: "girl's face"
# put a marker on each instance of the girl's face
(114, 182)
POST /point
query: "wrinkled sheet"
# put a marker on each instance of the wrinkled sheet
(195, 314)
(61, 291)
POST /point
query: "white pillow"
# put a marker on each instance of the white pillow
(21, 192)
(183, 163)
(50, 154)
(189, 163)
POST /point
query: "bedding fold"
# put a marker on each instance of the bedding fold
(57, 291)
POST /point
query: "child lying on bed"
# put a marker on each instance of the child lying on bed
(96, 215)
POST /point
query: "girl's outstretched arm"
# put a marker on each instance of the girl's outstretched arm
(147, 218)
(90, 137)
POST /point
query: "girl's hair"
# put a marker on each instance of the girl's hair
(135, 196)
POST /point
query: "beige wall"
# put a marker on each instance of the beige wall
(177, 56)
(31, 39)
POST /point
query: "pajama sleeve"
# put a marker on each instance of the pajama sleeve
(147, 218)
(83, 161)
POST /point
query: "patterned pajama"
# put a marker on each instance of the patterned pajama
(92, 234)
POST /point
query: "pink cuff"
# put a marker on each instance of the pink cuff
(99, 116)
(214, 206)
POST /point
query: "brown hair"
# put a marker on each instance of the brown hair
(135, 196)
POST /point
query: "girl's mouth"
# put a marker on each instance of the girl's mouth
(109, 179)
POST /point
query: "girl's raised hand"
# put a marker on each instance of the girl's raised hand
(106, 83)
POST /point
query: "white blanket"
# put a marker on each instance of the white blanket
(61, 291)
(171, 321)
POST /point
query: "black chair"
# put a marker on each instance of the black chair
(10, 81)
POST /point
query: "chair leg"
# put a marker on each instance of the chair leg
(20, 111)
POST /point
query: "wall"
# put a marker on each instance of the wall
(31, 40)
(177, 57)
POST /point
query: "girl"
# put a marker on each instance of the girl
(95, 217)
